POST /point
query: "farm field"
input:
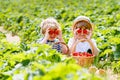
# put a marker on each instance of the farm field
(21, 58)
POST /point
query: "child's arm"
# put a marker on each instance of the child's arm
(43, 41)
(88, 38)
(62, 40)
(60, 37)
(72, 42)
(72, 46)
(95, 49)
(45, 37)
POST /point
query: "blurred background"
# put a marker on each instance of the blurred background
(20, 28)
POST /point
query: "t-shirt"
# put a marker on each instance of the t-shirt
(82, 46)
(52, 43)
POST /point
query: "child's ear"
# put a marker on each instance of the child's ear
(91, 29)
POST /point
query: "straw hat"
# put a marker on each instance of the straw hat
(82, 21)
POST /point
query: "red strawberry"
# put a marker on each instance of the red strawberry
(75, 53)
(79, 30)
(51, 32)
(89, 54)
(56, 31)
(80, 54)
(84, 53)
(85, 31)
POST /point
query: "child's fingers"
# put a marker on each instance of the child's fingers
(60, 32)
(88, 36)
(75, 37)
(83, 39)
(47, 30)
(75, 32)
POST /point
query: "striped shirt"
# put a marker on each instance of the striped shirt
(54, 46)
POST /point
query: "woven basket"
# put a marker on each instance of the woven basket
(67, 52)
(83, 60)
(86, 61)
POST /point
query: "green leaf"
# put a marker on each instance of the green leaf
(25, 62)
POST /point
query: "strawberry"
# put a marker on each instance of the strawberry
(56, 31)
(51, 32)
(75, 53)
(80, 54)
(86, 54)
(85, 31)
(91, 54)
(79, 31)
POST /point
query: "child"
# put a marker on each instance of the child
(50, 28)
(81, 41)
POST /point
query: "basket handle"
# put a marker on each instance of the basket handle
(74, 46)
(65, 45)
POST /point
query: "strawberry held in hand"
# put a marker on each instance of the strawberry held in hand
(51, 31)
(80, 31)
(54, 31)
(85, 31)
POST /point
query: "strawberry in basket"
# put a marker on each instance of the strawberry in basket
(82, 54)
(86, 54)
(84, 59)
(76, 54)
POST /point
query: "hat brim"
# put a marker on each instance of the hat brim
(83, 23)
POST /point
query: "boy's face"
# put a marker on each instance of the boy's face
(53, 33)
(52, 37)
(81, 32)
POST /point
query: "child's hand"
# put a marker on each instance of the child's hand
(89, 35)
(76, 35)
(60, 36)
(47, 33)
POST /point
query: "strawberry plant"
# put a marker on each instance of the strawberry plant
(30, 60)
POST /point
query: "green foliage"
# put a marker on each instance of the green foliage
(34, 61)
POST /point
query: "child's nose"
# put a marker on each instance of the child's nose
(53, 35)
(82, 32)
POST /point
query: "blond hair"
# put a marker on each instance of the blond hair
(49, 22)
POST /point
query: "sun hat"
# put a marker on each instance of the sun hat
(82, 21)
